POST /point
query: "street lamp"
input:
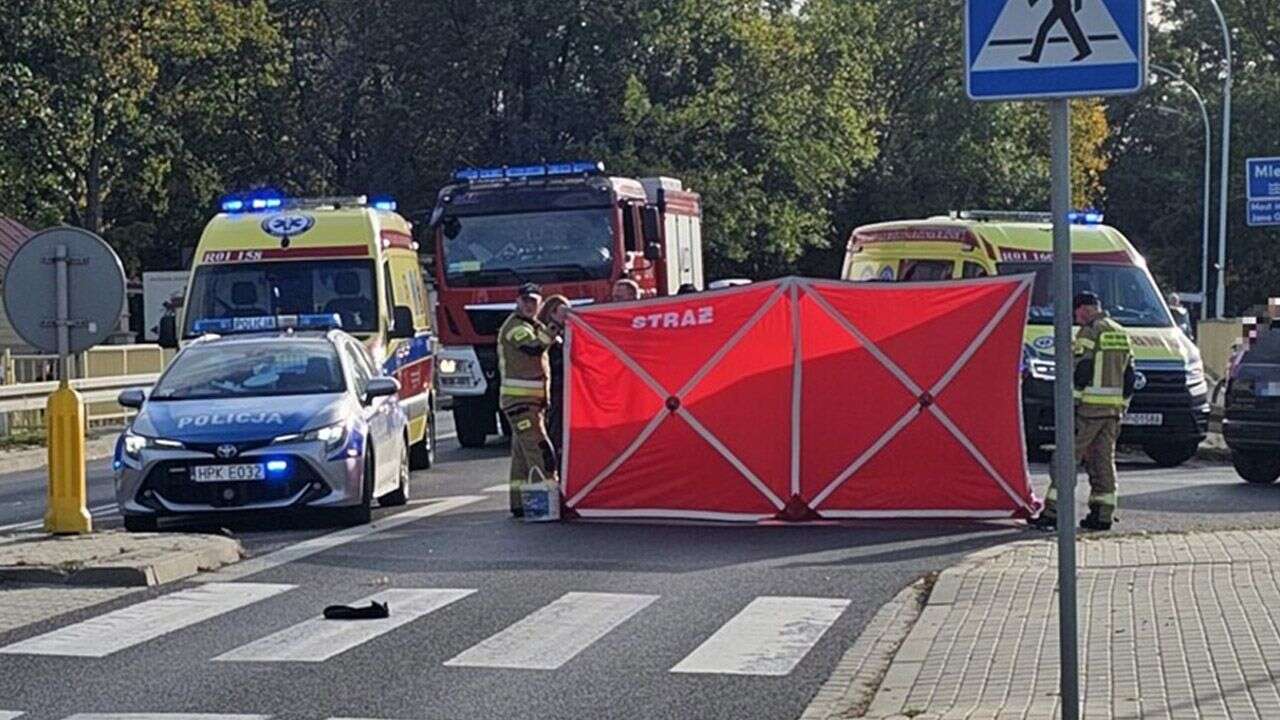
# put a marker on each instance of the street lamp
(1208, 159)
(1221, 299)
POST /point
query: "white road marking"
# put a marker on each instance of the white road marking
(317, 639)
(769, 637)
(164, 716)
(103, 635)
(9, 714)
(306, 548)
(504, 487)
(553, 635)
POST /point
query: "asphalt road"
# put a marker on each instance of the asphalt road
(465, 572)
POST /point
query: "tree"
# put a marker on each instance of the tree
(98, 95)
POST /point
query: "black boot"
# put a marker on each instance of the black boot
(1094, 521)
(1044, 521)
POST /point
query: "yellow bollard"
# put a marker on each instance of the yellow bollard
(64, 425)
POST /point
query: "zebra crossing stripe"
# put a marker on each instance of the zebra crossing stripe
(164, 716)
(769, 637)
(553, 635)
(9, 714)
(114, 631)
(317, 639)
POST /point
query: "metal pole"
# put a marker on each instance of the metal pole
(1208, 181)
(64, 316)
(1064, 469)
(1224, 179)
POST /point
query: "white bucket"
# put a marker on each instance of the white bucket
(541, 501)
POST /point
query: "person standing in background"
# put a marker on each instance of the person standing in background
(554, 314)
(625, 290)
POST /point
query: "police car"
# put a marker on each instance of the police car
(264, 413)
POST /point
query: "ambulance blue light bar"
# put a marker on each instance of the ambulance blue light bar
(252, 201)
(384, 203)
(267, 323)
(1085, 217)
(523, 172)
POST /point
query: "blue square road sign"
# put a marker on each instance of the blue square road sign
(1042, 49)
(1263, 183)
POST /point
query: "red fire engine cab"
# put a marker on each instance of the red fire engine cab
(568, 227)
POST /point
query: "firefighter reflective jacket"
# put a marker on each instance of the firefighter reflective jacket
(522, 361)
(1104, 361)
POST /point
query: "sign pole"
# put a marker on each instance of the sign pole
(63, 291)
(66, 511)
(1064, 468)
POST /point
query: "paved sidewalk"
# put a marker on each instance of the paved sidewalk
(1172, 626)
(44, 576)
(112, 558)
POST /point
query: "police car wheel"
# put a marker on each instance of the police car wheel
(363, 513)
(141, 523)
(400, 495)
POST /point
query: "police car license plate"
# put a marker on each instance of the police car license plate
(1143, 419)
(1269, 389)
(228, 473)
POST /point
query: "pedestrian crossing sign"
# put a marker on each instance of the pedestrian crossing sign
(1041, 49)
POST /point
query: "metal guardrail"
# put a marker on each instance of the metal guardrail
(100, 374)
(32, 396)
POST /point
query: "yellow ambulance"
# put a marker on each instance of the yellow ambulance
(1169, 414)
(270, 255)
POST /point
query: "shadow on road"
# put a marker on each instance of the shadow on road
(487, 541)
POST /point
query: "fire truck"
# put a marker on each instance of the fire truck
(568, 227)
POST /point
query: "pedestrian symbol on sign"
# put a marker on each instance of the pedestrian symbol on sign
(1088, 36)
(1022, 49)
(1062, 12)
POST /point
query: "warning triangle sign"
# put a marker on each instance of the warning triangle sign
(1054, 33)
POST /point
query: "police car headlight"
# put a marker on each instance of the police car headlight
(333, 436)
(134, 444)
(448, 366)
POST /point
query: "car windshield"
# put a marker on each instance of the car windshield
(345, 287)
(560, 245)
(1266, 348)
(252, 369)
(1127, 292)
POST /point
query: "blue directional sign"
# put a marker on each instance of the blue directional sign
(1264, 191)
(1038, 49)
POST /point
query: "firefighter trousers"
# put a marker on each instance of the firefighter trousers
(1096, 448)
(532, 457)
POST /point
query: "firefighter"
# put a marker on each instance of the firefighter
(1103, 380)
(523, 365)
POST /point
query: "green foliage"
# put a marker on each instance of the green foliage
(1155, 183)
(796, 121)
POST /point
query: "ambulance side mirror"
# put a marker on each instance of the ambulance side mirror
(402, 323)
(168, 332)
(653, 252)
